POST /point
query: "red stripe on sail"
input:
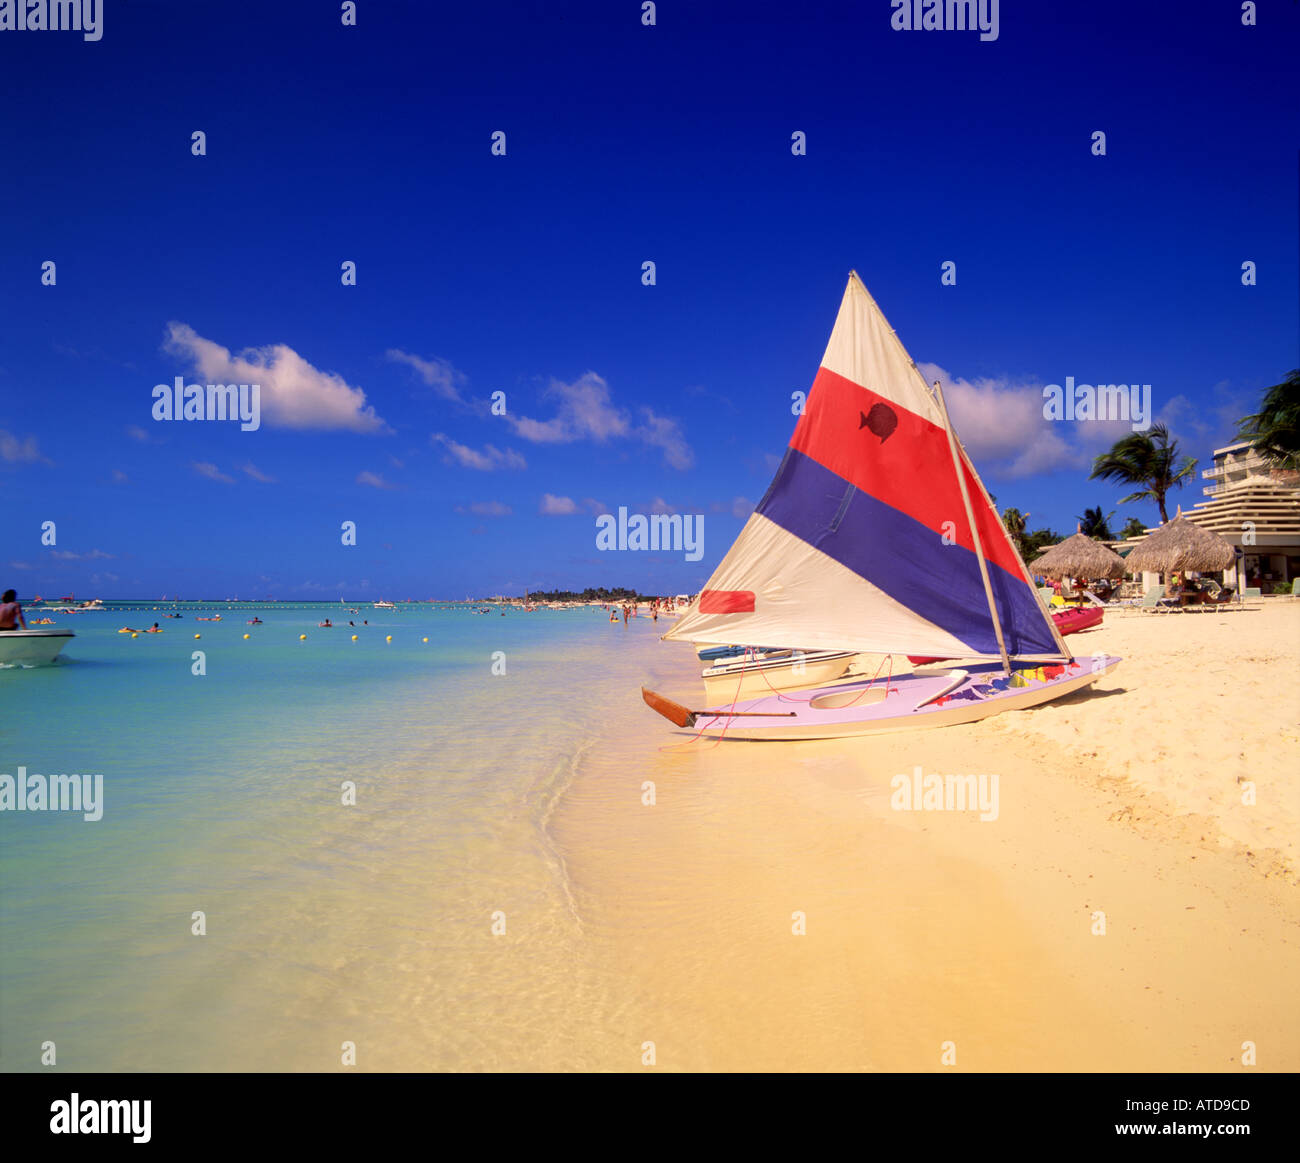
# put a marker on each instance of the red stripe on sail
(727, 602)
(898, 457)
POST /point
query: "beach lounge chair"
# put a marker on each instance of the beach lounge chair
(1216, 595)
(1155, 600)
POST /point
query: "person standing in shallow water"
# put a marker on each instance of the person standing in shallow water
(11, 613)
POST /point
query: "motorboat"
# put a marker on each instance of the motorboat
(32, 647)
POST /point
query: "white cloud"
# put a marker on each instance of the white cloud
(135, 432)
(585, 411)
(119, 477)
(435, 373)
(1002, 426)
(17, 451)
(294, 394)
(486, 509)
(374, 480)
(659, 505)
(741, 508)
(69, 555)
(490, 458)
(206, 469)
(665, 433)
(251, 470)
(554, 506)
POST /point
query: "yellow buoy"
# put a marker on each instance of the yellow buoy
(424, 640)
(302, 637)
(389, 638)
(354, 637)
(247, 635)
(198, 635)
(135, 635)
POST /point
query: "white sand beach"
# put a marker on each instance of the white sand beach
(1125, 911)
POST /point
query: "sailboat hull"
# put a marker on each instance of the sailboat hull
(913, 702)
(752, 675)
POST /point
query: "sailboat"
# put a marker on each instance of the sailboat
(877, 536)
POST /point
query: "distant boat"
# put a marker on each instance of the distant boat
(877, 536)
(1067, 622)
(32, 647)
(384, 606)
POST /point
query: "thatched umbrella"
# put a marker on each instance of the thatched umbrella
(1079, 556)
(1179, 546)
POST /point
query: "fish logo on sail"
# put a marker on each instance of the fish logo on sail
(881, 420)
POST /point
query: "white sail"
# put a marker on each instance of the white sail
(863, 540)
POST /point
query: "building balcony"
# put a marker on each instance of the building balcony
(1238, 464)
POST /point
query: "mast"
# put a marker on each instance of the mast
(974, 529)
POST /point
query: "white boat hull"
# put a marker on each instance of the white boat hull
(748, 678)
(32, 647)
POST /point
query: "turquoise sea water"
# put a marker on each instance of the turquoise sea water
(325, 923)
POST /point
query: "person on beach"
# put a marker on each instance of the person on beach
(11, 612)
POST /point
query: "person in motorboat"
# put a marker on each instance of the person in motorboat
(11, 612)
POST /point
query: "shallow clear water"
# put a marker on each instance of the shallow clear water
(325, 923)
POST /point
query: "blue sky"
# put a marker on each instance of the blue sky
(522, 274)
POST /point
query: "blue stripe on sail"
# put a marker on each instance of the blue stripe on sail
(905, 559)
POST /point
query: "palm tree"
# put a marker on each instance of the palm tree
(1275, 428)
(1134, 528)
(1039, 540)
(1013, 520)
(1149, 459)
(1093, 524)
